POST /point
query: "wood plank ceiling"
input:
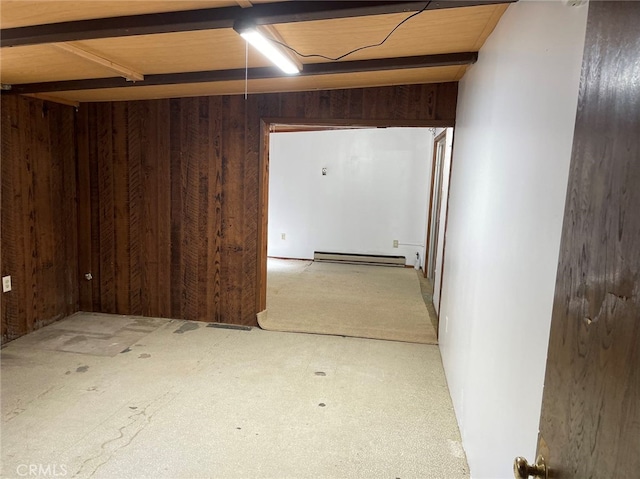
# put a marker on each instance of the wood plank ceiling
(77, 51)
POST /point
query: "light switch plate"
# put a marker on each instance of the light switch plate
(6, 284)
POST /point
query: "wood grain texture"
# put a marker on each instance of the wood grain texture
(176, 190)
(38, 236)
(591, 407)
(84, 215)
(439, 31)
(16, 13)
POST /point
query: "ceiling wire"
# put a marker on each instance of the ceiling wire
(317, 55)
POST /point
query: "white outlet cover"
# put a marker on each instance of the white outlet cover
(6, 284)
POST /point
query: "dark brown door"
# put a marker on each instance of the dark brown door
(590, 420)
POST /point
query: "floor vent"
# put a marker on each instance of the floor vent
(374, 259)
(238, 327)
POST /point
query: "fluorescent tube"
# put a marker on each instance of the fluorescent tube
(269, 50)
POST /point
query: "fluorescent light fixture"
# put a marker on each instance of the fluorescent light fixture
(268, 49)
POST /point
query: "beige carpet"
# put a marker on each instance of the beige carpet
(377, 302)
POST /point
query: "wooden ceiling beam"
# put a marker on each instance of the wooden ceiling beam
(314, 69)
(126, 73)
(215, 18)
(54, 99)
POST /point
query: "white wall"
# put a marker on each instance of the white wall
(513, 138)
(375, 191)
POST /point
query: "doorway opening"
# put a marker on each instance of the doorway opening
(439, 148)
(337, 182)
(437, 215)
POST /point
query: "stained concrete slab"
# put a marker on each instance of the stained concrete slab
(219, 403)
(93, 333)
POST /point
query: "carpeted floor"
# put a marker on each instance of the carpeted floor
(377, 302)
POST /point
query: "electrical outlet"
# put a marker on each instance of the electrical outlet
(283, 236)
(395, 243)
(6, 284)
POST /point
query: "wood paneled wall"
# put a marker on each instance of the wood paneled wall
(38, 235)
(169, 194)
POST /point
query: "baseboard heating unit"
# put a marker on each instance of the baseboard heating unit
(373, 259)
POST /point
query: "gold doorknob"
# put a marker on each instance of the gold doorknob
(523, 470)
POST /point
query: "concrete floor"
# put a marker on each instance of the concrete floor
(119, 397)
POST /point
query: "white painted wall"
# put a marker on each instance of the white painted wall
(446, 173)
(376, 190)
(513, 138)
